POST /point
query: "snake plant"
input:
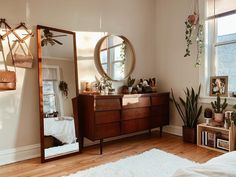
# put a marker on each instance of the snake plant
(188, 108)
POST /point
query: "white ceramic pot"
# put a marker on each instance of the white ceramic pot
(208, 121)
(219, 117)
(130, 89)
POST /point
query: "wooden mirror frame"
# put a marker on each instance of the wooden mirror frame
(75, 101)
(97, 59)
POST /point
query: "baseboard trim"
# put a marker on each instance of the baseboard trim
(32, 151)
(18, 154)
(173, 129)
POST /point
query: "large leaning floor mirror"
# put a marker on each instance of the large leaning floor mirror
(58, 91)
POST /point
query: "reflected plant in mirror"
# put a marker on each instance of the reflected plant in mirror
(114, 57)
(63, 86)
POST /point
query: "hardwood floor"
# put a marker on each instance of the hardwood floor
(112, 151)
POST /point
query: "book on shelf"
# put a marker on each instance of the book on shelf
(209, 138)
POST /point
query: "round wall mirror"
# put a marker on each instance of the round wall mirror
(114, 57)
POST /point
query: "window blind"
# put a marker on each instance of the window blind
(49, 74)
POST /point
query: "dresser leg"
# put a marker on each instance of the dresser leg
(161, 131)
(101, 145)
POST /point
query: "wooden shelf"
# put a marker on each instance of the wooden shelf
(214, 149)
(213, 127)
(229, 133)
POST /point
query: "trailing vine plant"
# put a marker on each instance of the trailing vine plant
(188, 37)
(123, 52)
(194, 33)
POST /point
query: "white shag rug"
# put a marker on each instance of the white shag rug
(152, 163)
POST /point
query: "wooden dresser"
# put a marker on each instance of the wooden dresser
(105, 116)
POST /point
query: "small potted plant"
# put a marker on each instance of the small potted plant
(208, 115)
(219, 109)
(189, 111)
(130, 84)
(232, 116)
(63, 86)
(103, 84)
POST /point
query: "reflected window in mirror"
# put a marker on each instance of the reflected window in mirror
(51, 97)
(114, 57)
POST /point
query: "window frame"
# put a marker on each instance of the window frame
(111, 63)
(60, 99)
(207, 68)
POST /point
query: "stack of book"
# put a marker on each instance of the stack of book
(209, 138)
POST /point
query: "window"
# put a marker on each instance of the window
(51, 96)
(221, 41)
(111, 58)
(225, 49)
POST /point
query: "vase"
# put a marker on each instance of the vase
(189, 135)
(130, 89)
(219, 117)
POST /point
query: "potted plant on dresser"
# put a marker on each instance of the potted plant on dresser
(189, 111)
(219, 109)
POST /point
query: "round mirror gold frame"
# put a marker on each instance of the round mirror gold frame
(97, 57)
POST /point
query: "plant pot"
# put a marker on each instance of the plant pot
(189, 135)
(208, 121)
(219, 117)
(193, 19)
(130, 89)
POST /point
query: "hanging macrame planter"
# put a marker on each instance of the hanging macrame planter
(194, 33)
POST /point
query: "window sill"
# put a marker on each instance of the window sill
(209, 99)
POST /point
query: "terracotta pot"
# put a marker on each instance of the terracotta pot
(189, 135)
(193, 19)
(218, 117)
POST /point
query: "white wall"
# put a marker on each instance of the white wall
(172, 68)
(135, 19)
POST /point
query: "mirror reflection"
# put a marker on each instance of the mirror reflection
(114, 57)
(60, 122)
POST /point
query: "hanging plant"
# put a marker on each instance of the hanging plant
(63, 86)
(200, 44)
(123, 52)
(194, 33)
(188, 37)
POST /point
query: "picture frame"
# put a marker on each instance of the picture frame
(219, 85)
(222, 144)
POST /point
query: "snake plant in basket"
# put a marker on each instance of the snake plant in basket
(189, 111)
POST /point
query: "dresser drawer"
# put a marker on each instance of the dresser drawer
(131, 126)
(128, 114)
(107, 104)
(160, 115)
(160, 99)
(103, 117)
(136, 102)
(160, 110)
(107, 130)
